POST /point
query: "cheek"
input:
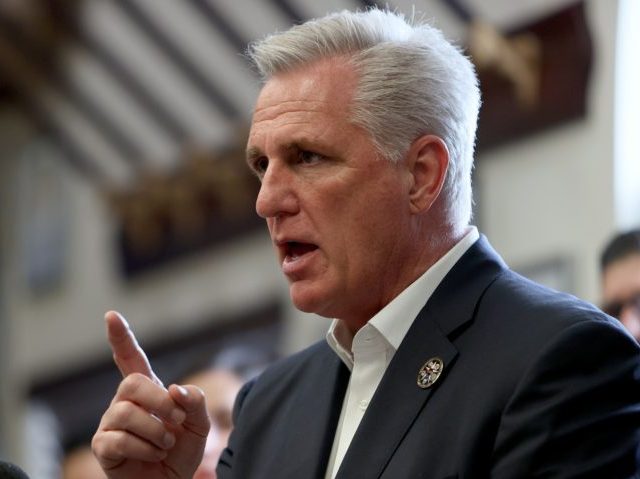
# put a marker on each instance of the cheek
(349, 219)
(353, 249)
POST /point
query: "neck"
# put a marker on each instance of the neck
(427, 251)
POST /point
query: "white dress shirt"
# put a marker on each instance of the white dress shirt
(368, 353)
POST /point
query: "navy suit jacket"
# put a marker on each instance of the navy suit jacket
(535, 384)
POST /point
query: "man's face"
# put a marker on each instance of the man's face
(621, 286)
(337, 213)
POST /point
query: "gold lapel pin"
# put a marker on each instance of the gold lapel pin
(430, 372)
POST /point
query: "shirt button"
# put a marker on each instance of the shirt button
(363, 404)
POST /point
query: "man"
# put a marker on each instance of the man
(620, 269)
(440, 362)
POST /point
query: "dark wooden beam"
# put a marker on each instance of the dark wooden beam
(23, 93)
(460, 10)
(373, 4)
(71, 152)
(562, 75)
(290, 11)
(42, 67)
(220, 24)
(205, 84)
(155, 111)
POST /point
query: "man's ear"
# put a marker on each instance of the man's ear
(428, 161)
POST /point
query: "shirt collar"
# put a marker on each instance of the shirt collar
(394, 320)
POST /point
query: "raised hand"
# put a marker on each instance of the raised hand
(148, 431)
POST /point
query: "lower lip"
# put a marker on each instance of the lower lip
(296, 266)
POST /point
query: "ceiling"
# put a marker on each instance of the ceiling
(124, 87)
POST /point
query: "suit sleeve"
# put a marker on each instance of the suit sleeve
(224, 469)
(576, 412)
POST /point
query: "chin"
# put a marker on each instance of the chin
(310, 300)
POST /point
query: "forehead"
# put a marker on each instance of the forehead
(323, 88)
(622, 278)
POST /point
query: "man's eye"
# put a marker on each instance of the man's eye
(260, 165)
(309, 157)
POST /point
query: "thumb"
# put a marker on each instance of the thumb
(188, 451)
(192, 400)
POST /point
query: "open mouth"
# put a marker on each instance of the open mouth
(295, 250)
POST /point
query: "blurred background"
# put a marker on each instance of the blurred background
(123, 186)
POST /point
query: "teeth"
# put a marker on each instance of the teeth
(289, 255)
(295, 250)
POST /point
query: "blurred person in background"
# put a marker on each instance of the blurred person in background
(220, 388)
(80, 463)
(620, 274)
(440, 361)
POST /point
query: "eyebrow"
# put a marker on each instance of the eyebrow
(253, 152)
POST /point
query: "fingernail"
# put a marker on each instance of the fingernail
(183, 391)
(168, 440)
(178, 416)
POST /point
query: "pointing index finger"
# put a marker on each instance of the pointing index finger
(127, 353)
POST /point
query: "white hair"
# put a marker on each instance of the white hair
(412, 82)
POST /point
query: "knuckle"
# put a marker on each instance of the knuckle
(131, 385)
(118, 444)
(97, 444)
(122, 412)
(107, 446)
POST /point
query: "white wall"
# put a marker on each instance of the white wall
(627, 117)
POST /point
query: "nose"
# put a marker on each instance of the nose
(277, 195)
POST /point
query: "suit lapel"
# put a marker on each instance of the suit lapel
(320, 402)
(395, 405)
(398, 399)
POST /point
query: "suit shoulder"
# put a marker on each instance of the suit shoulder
(522, 299)
(300, 358)
(522, 319)
(285, 371)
